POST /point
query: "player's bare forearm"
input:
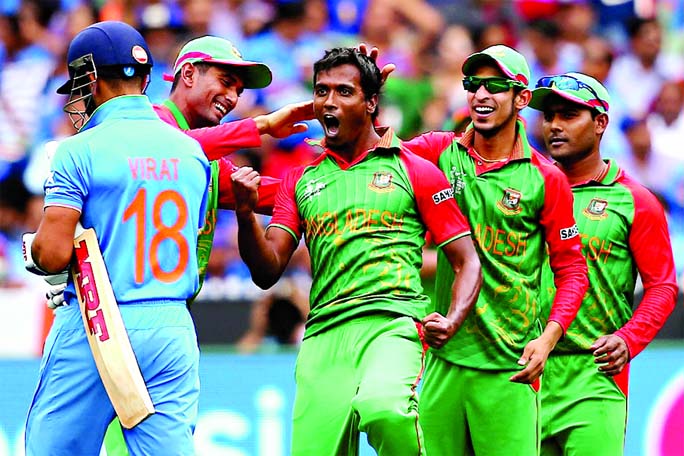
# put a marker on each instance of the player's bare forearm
(465, 289)
(285, 121)
(52, 247)
(536, 353)
(258, 253)
(265, 256)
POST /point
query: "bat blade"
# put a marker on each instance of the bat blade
(106, 333)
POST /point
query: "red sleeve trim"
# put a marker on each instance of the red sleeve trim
(285, 211)
(435, 199)
(649, 241)
(562, 237)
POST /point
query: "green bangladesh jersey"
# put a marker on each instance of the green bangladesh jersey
(624, 233)
(515, 207)
(364, 224)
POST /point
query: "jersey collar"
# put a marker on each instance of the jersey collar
(521, 149)
(122, 107)
(388, 141)
(177, 114)
(609, 177)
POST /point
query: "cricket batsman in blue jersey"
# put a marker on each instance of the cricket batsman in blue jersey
(142, 186)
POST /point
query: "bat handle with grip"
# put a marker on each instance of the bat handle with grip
(79, 230)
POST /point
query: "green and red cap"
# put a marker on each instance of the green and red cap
(218, 51)
(576, 87)
(508, 60)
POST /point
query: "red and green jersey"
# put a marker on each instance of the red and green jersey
(623, 232)
(364, 223)
(515, 208)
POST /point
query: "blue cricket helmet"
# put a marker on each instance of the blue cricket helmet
(107, 44)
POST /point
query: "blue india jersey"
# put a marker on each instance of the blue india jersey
(142, 185)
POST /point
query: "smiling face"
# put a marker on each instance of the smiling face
(341, 107)
(493, 112)
(570, 132)
(213, 93)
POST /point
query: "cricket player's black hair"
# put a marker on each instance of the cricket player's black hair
(371, 78)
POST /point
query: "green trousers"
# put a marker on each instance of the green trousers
(114, 440)
(360, 376)
(467, 411)
(584, 412)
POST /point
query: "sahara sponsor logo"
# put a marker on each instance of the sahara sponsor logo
(443, 195)
(569, 233)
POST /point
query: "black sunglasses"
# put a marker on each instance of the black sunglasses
(493, 85)
(567, 82)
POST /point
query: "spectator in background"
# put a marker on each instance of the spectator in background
(162, 27)
(666, 124)
(404, 31)
(280, 47)
(494, 33)
(446, 78)
(479, 15)
(638, 159)
(637, 76)
(546, 54)
(14, 198)
(597, 59)
(25, 66)
(277, 318)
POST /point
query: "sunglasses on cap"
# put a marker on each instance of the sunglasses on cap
(493, 85)
(567, 82)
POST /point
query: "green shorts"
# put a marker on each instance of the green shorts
(360, 376)
(584, 412)
(466, 411)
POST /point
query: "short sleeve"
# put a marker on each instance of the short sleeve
(285, 211)
(435, 200)
(67, 182)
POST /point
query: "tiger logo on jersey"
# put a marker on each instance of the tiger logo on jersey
(381, 182)
(510, 203)
(596, 210)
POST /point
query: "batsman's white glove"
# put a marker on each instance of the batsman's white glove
(55, 296)
(32, 267)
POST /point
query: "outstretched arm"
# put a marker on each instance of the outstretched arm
(224, 139)
(465, 289)
(266, 253)
(285, 121)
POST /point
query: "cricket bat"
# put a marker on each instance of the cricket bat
(106, 332)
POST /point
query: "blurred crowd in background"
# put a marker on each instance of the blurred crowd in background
(635, 47)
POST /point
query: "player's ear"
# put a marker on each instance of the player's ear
(601, 123)
(372, 104)
(187, 72)
(522, 99)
